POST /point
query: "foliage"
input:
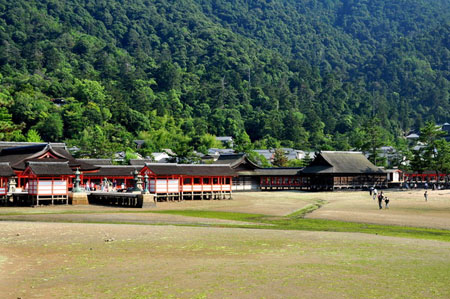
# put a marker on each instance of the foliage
(303, 74)
(435, 152)
(258, 159)
(295, 163)
(279, 158)
(373, 140)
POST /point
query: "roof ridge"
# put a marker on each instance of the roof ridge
(47, 162)
(341, 152)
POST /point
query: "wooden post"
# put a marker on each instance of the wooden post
(201, 184)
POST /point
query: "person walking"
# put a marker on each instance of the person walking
(386, 202)
(370, 190)
(375, 192)
(426, 195)
(380, 200)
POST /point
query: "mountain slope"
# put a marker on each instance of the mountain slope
(306, 73)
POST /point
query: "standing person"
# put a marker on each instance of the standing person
(380, 200)
(370, 190)
(426, 186)
(386, 202)
(375, 192)
(426, 195)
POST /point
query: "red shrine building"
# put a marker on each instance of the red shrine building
(43, 171)
(181, 181)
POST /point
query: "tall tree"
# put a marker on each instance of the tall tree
(374, 140)
(279, 158)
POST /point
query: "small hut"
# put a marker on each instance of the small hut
(48, 181)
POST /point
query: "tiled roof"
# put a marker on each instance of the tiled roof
(6, 170)
(17, 156)
(190, 169)
(341, 162)
(50, 168)
(141, 162)
(115, 170)
(96, 161)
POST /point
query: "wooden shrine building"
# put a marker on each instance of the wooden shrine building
(282, 178)
(6, 173)
(251, 177)
(340, 170)
(119, 177)
(47, 181)
(188, 181)
(19, 154)
(246, 178)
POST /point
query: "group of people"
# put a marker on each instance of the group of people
(380, 196)
(105, 186)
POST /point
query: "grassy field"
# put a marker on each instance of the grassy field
(259, 245)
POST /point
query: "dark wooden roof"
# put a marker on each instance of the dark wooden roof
(341, 162)
(6, 170)
(238, 162)
(280, 171)
(141, 162)
(18, 156)
(114, 171)
(96, 161)
(12, 144)
(48, 168)
(191, 169)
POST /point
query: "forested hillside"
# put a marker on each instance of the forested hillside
(310, 74)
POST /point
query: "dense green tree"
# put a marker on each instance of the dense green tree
(33, 136)
(50, 128)
(374, 140)
(441, 161)
(279, 158)
(297, 73)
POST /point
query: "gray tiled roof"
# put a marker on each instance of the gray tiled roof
(50, 168)
(341, 162)
(114, 170)
(190, 169)
(6, 170)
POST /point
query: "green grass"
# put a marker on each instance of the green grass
(296, 221)
(214, 215)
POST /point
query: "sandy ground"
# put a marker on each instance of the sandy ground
(87, 260)
(138, 218)
(407, 208)
(71, 260)
(266, 203)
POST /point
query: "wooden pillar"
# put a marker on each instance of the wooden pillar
(180, 186)
(37, 191)
(201, 184)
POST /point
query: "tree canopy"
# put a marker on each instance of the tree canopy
(307, 74)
